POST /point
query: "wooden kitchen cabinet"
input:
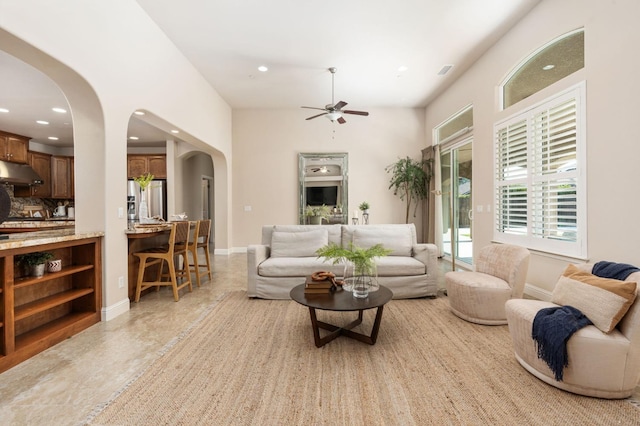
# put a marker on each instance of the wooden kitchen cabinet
(13, 148)
(38, 313)
(41, 163)
(140, 164)
(61, 177)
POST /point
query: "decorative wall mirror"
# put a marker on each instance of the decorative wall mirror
(324, 188)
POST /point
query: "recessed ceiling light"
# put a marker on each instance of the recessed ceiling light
(548, 67)
(42, 122)
(138, 113)
(52, 138)
(262, 68)
(402, 68)
(133, 138)
(58, 109)
(4, 110)
(175, 131)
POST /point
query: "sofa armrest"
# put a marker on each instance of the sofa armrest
(256, 254)
(427, 254)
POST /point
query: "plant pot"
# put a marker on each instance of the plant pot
(315, 220)
(37, 270)
(54, 265)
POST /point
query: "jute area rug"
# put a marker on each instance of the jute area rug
(253, 362)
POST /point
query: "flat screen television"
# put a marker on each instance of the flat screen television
(319, 195)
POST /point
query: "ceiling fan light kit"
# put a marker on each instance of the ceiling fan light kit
(334, 111)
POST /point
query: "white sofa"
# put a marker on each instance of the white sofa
(287, 255)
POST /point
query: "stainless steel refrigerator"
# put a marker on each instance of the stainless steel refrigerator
(156, 199)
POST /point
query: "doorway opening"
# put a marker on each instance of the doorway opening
(206, 201)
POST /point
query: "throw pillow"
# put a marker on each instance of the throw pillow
(298, 244)
(603, 300)
(396, 239)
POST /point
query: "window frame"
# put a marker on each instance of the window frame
(577, 249)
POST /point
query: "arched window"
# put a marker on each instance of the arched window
(550, 63)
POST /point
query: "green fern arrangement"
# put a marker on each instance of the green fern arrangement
(362, 259)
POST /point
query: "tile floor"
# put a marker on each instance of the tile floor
(62, 385)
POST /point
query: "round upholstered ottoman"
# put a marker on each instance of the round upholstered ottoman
(477, 297)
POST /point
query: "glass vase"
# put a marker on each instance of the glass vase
(143, 211)
(360, 280)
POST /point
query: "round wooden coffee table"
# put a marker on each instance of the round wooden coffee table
(342, 301)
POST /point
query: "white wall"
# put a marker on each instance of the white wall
(266, 144)
(110, 58)
(611, 35)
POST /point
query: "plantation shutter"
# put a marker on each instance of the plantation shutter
(553, 196)
(539, 189)
(511, 178)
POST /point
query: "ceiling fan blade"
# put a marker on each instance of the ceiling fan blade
(341, 120)
(315, 116)
(339, 105)
(321, 109)
(355, 112)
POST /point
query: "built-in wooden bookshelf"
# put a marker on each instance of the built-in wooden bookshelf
(37, 313)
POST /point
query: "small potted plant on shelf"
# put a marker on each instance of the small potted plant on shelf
(317, 213)
(364, 207)
(34, 263)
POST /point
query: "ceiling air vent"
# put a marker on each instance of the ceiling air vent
(445, 69)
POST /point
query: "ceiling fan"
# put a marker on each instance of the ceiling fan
(334, 111)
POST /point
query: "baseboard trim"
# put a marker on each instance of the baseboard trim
(537, 292)
(239, 250)
(110, 312)
(221, 252)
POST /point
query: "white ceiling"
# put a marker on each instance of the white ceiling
(366, 40)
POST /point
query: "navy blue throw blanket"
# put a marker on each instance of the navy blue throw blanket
(552, 328)
(617, 271)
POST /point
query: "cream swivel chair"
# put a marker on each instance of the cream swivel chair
(602, 365)
(500, 274)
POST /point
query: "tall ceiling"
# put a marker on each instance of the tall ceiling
(387, 54)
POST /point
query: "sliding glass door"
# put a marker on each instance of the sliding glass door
(457, 207)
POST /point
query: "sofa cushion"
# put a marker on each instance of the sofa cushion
(296, 267)
(335, 231)
(297, 244)
(603, 300)
(399, 266)
(398, 239)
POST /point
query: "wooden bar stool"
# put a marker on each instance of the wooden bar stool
(177, 246)
(201, 240)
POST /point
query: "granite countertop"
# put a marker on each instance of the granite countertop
(36, 223)
(147, 228)
(28, 239)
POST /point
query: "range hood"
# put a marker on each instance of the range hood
(18, 174)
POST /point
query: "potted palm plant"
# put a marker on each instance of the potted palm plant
(360, 264)
(34, 262)
(410, 181)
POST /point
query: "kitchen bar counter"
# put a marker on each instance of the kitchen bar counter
(34, 225)
(30, 239)
(143, 231)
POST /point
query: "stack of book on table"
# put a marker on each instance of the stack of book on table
(319, 287)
